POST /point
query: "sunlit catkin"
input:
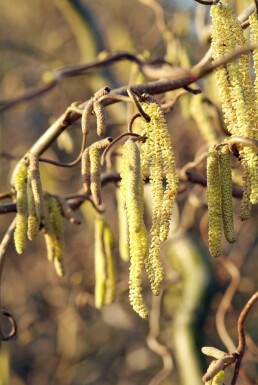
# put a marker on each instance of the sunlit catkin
(157, 155)
(95, 169)
(56, 218)
(100, 264)
(20, 185)
(226, 190)
(33, 222)
(214, 202)
(108, 241)
(36, 186)
(123, 224)
(132, 181)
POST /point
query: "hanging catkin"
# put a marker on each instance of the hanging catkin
(214, 202)
(20, 185)
(157, 156)
(132, 186)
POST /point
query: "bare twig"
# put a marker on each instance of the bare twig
(241, 335)
(207, 2)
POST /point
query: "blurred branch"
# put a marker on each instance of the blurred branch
(225, 303)
(153, 343)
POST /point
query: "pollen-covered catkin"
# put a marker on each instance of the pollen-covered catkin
(20, 185)
(157, 155)
(56, 219)
(36, 186)
(131, 176)
(226, 190)
(95, 169)
(108, 240)
(214, 202)
(123, 224)
(33, 222)
(100, 264)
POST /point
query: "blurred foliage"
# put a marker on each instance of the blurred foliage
(62, 338)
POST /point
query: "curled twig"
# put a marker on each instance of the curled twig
(234, 140)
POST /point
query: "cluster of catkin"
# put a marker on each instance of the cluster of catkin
(154, 157)
(219, 196)
(36, 210)
(105, 272)
(238, 94)
(239, 98)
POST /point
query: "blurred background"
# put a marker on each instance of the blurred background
(62, 339)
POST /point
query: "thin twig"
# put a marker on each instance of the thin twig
(212, 2)
(241, 335)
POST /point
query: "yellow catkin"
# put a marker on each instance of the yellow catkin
(95, 169)
(123, 224)
(132, 181)
(100, 264)
(102, 144)
(56, 219)
(226, 190)
(157, 155)
(214, 202)
(253, 20)
(100, 117)
(33, 222)
(219, 379)
(203, 121)
(85, 170)
(49, 233)
(216, 367)
(36, 186)
(20, 185)
(108, 240)
(220, 36)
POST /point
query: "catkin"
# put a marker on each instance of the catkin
(33, 222)
(20, 185)
(131, 176)
(36, 186)
(226, 192)
(214, 202)
(100, 117)
(210, 351)
(123, 224)
(58, 224)
(85, 170)
(108, 240)
(95, 168)
(100, 264)
(157, 155)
